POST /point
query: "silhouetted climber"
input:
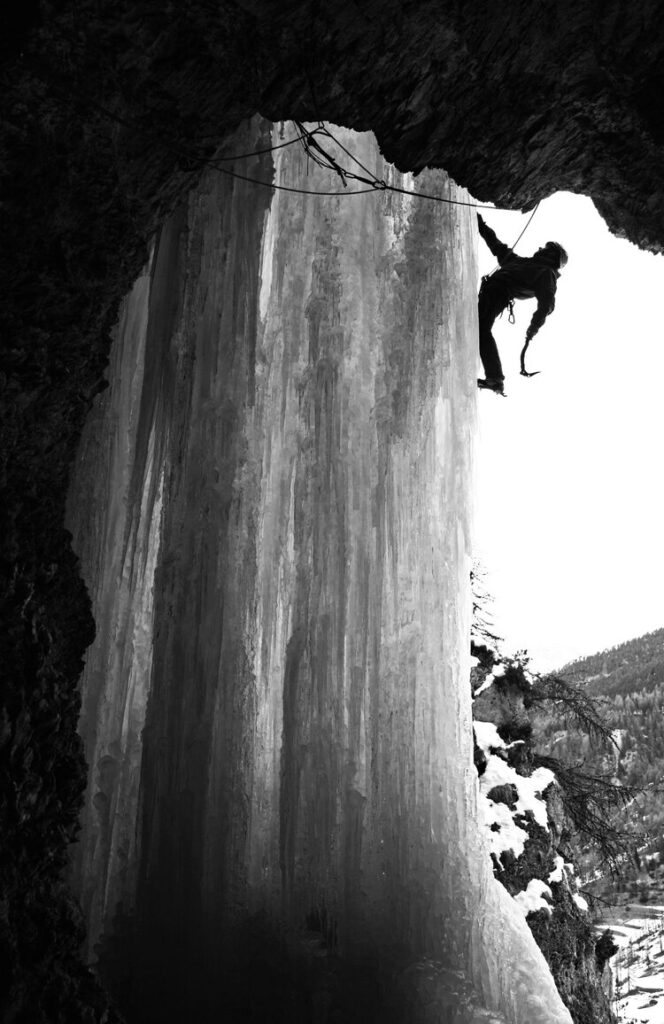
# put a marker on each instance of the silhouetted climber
(518, 277)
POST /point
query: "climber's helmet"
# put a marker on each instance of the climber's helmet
(555, 250)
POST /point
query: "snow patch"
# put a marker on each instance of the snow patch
(618, 737)
(563, 871)
(488, 738)
(485, 685)
(558, 873)
(505, 833)
(638, 967)
(529, 787)
(532, 898)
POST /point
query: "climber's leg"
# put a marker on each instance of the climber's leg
(493, 299)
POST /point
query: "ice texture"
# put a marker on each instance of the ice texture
(114, 510)
(273, 504)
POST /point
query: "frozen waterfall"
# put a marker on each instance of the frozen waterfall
(272, 504)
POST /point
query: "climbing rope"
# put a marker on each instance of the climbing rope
(289, 188)
(86, 103)
(320, 156)
(308, 138)
(513, 247)
(323, 159)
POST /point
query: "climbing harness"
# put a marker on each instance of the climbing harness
(511, 318)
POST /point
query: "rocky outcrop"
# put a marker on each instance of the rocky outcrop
(534, 861)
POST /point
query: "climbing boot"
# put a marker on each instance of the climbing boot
(492, 384)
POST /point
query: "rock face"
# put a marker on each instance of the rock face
(530, 842)
(109, 112)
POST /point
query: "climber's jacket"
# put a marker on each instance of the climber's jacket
(525, 277)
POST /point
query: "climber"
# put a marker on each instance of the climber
(518, 277)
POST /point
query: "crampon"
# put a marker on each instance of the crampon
(491, 384)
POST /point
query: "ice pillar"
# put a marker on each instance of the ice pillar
(307, 847)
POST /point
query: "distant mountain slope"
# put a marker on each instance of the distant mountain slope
(635, 665)
(629, 680)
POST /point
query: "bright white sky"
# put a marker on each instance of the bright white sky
(570, 485)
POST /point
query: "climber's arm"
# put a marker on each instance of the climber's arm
(498, 248)
(546, 301)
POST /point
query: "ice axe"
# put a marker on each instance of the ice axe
(524, 372)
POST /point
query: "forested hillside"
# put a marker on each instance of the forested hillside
(628, 680)
(637, 665)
